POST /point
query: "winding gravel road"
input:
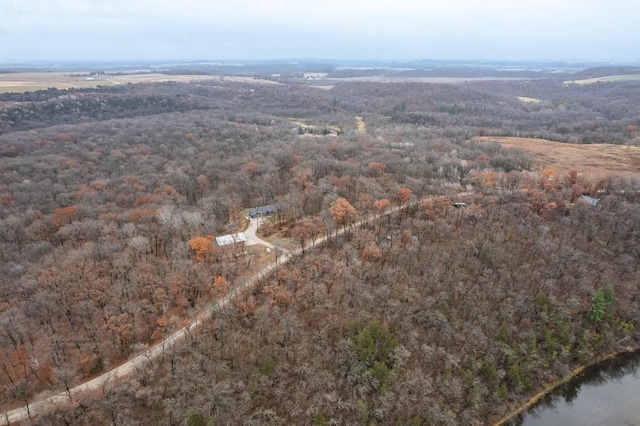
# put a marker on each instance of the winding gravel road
(66, 399)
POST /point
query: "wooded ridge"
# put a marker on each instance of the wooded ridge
(451, 311)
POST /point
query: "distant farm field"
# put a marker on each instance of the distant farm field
(610, 78)
(28, 82)
(595, 159)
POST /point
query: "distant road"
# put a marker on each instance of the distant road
(64, 400)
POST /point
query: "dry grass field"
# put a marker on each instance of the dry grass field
(28, 82)
(596, 159)
(529, 100)
(626, 77)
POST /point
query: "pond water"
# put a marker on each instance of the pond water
(605, 394)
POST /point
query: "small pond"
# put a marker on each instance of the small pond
(604, 394)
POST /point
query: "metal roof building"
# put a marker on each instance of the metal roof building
(228, 239)
(589, 200)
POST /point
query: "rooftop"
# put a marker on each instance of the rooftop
(225, 240)
(271, 208)
(589, 200)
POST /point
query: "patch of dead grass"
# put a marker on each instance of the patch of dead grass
(596, 159)
(529, 100)
(605, 79)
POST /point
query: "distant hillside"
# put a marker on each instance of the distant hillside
(596, 72)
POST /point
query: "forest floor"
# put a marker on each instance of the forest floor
(595, 159)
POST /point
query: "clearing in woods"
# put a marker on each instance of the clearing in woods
(596, 159)
(529, 100)
(361, 127)
(609, 78)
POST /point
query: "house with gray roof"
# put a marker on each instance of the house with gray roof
(265, 210)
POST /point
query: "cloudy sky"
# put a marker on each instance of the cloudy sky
(332, 29)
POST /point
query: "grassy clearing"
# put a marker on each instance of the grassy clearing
(529, 100)
(595, 159)
(313, 128)
(610, 78)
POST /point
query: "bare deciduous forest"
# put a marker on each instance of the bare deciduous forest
(436, 314)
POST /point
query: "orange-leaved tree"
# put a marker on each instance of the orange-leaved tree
(342, 212)
(161, 328)
(403, 195)
(221, 284)
(307, 229)
(63, 216)
(377, 168)
(203, 246)
(382, 205)
(251, 168)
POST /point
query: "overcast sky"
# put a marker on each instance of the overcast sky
(332, 29)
